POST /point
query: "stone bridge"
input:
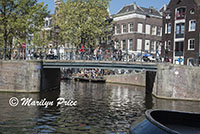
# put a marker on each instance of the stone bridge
(169, 81)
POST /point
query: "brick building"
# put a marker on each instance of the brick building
(137, 29)
(181, 32)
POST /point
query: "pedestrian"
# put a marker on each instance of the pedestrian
(82, 51)
(100, 53)
(119, 54)
(96, 53)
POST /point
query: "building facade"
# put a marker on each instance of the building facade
(137, 29)
(181, 32)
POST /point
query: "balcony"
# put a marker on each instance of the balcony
(178, 53)
(179, 35)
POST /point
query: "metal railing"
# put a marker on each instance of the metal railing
(75, 54)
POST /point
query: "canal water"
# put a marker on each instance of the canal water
(100, 109)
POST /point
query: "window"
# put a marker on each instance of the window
(180, 13)
(159, 31)
(46, 25)
(148, 29)
(130, 44)
(190, 62)
(168, 16)
(154, 30)
(159, 47)
(191, 44)
(147, 45)
(140, 29)
(192, 11)
(180, 29)
(168, 45)
(123, 44)
(153, 46)
(50, 22)
(131, 27)
(139, 44)
(192, 25)
(166, 26)
(116, 44)
(117, 29)
(169, 28)
(179, 49)
(124, 28)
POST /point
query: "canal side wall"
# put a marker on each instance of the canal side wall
(177, 82)
(20, 76)
(135, 78)
(27, 76)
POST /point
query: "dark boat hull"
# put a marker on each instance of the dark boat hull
(168, 122)
(146, 127)
(89, 79)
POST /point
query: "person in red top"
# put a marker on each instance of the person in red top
(82, 51)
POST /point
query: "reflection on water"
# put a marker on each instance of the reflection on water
(101, 109)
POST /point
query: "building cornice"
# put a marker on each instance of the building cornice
(133, 14)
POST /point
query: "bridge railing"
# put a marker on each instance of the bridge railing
(75, 54)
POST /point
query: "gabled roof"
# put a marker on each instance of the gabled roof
(134, 8)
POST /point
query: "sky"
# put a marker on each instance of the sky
(116, 5)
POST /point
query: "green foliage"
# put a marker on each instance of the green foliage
(82, 21)
(41, 38)
(19, 18)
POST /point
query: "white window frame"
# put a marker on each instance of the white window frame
(153, 43)
(147, 47)
(159, 47)
(166, 27)
(140, 28)
(129, 45)
(189, 45)
(160, 31)
(117, 29)
(148, 29)
(190, 25)
(123, 28)
(122, 45)
(154, 30)
(169, 30)
(116, 44)
(129, 27)
(139, 45)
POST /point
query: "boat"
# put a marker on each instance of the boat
(167, 122)
(98, 79)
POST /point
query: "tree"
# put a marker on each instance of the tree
(41, 38)
(18, 19)
(82, 21)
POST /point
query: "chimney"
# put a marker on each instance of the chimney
(135, 5)
(165, 7)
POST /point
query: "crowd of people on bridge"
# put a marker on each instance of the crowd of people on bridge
(82, 53)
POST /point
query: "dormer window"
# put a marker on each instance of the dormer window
(192, 11)
(168, 16)
(180, 13)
